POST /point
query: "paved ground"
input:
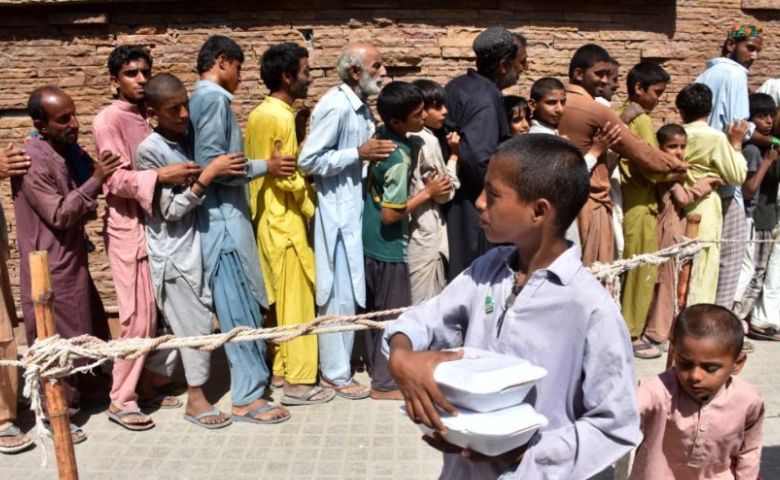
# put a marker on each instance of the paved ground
(342, 439)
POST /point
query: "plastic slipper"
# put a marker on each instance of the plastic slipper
(77, 435)
(339, 389)
(214, 412)
(159, 400)
(645, 350)
(14, 431)
(763, 334)
(308, 397)
(117, 417)
(249, 417)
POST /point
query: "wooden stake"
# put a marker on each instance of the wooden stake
(683, 281)
(56, 404)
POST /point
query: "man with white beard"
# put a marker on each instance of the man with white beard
(340, 138)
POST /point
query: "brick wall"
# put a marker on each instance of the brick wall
(67, 43)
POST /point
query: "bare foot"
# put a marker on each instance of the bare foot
(275, 413)
(350, 390)
(132, 418)
(197, 404)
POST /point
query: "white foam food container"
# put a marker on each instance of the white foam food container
(484, 381)
(490, 433)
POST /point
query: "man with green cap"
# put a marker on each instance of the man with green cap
(727, 77)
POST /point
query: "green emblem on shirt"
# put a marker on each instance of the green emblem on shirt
(488, 304)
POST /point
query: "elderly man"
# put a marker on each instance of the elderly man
(339, 139)
(476, 111)
(13, 162)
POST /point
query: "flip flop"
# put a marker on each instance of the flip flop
(645, 349)
(159, 400)
(77, 435)
(14, 431)
(249, 417)
(339, 389)
(763, 333)
(117, 417)
(214, 412)
(308, 397)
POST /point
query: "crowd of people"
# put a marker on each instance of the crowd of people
(482, 210)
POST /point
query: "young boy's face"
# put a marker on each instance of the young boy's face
(702, 365)
(764, 123)
(648, 97)
(131, 79)
(503, 215)
(230, 74)
(549, 109)
(173, 113)
(519, 123)
(434, 116)
(676, 146)
(413, 124)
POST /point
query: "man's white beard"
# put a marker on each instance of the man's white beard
(369, 85)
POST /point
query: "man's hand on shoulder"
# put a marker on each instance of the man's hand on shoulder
(375, 150)
(13, 161)
(107, 163)
(280, 165)
(413, 372)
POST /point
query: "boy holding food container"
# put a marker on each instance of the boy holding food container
(533, 300)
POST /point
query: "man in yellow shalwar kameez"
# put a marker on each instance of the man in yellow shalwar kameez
(710, 153)
(281, 209)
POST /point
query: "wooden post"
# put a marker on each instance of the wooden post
(691, 232)
(56, 404)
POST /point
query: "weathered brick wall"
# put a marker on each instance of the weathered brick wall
(67, 43)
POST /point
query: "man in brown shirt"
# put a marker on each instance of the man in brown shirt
(589, 78)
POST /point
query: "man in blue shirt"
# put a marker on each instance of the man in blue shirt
(338, 141)
(228, 241)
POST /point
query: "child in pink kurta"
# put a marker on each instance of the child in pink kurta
(698, 420)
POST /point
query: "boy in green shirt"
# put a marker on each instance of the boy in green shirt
(646, 84)
(385, 221)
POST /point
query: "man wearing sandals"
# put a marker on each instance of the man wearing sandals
(281, 209)
(228, 243)
(50, 215)
(13, 162)
(339, 140)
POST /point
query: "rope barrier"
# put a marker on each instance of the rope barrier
(56, 357)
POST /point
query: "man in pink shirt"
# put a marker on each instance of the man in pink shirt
(120, 128)
(700, 421)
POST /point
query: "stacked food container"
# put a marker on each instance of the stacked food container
(489, 388)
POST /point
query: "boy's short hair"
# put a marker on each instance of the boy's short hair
(280, 59)
(432, 92)
(586, 56)
(712, 322)
(543, 86)
(646, 73)
(397, 100)
(694, 101)
(762, 104)
(125, 54)
(665, 133)
(160, 87)
(215, 46)
(548, 167)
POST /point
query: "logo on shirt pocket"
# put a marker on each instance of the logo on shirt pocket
(489, 307)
